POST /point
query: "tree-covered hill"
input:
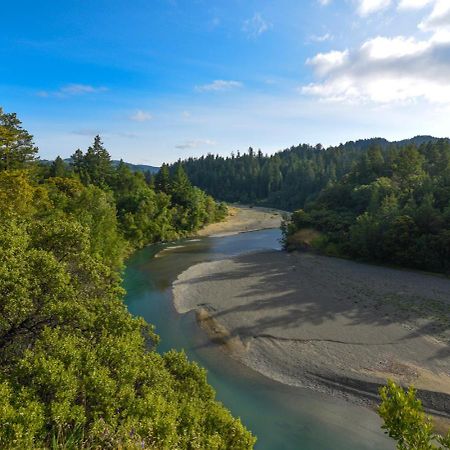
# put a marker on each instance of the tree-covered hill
(286, 180)
(76, 369)
(393, 206)
(369, 199)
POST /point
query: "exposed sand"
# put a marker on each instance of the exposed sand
(329, 324)
(242, 219)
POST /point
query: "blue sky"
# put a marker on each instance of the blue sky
(164, 79)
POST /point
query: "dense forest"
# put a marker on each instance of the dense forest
(76, 369)
(286, 180)
(392, 206)
(371, 199)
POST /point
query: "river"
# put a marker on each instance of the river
(282, 417)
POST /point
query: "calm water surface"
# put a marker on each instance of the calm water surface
(282, 417)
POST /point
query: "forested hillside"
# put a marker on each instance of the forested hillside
(285, 180)
(369, 199)
(76, 369)
(392, 206)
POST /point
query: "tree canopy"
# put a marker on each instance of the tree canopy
(405, 420)
(369, 199)
(77, 369)
(16, 144)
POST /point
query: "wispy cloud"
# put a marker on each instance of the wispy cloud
(413, 4)
(219, 85)
(91, 132)
(141, 116)
(324, 2)
(366, 7)
(70, 90)
(321, 38)
(256, 26)
(214, 23)
(87, 132)
(439, 19)
(196, 143)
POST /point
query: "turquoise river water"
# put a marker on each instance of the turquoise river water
(282, 417)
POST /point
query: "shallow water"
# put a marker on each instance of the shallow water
(282, 417)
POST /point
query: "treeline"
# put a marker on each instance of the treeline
(369, 199)
(76, 369)
(286, 180)
(392, 207)
(150, 208)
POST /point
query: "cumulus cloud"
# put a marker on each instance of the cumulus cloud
(196, 143)
(366, 7)
(73, 89)
(219, 85)
(256, 26)
(439, 18)
(390, 69)
(141, 116)
(323, 63)
(385, 70)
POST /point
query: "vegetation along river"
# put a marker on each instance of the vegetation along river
(282, 417)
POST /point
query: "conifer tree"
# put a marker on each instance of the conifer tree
(16, 144)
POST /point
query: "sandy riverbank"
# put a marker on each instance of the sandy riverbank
(329, 324)
(242, 219)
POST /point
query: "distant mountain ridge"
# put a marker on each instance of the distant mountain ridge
(384, 143)
(115, 163)
(137, 167)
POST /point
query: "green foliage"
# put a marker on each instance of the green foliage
(76, 369)
(406, 422)
(370, 199)
(392, 206)
(58, 168)
(149, 209)
(16, 144)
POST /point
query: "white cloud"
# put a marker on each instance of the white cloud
(439, 18)
(324, 2)
(219, 85)
(366, 7)
(321, 38)
(390, 48)
(141, 116)
(414, 4)
(77, 89)
(385, 70)
(326, 62)
(73, 89)
(196, 143)
(256, 26)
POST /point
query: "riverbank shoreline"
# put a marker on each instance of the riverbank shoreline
(331, 325)
(244, 219)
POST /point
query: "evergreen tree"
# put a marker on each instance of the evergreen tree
(162, 179)
(16, 144)
(58, 168)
